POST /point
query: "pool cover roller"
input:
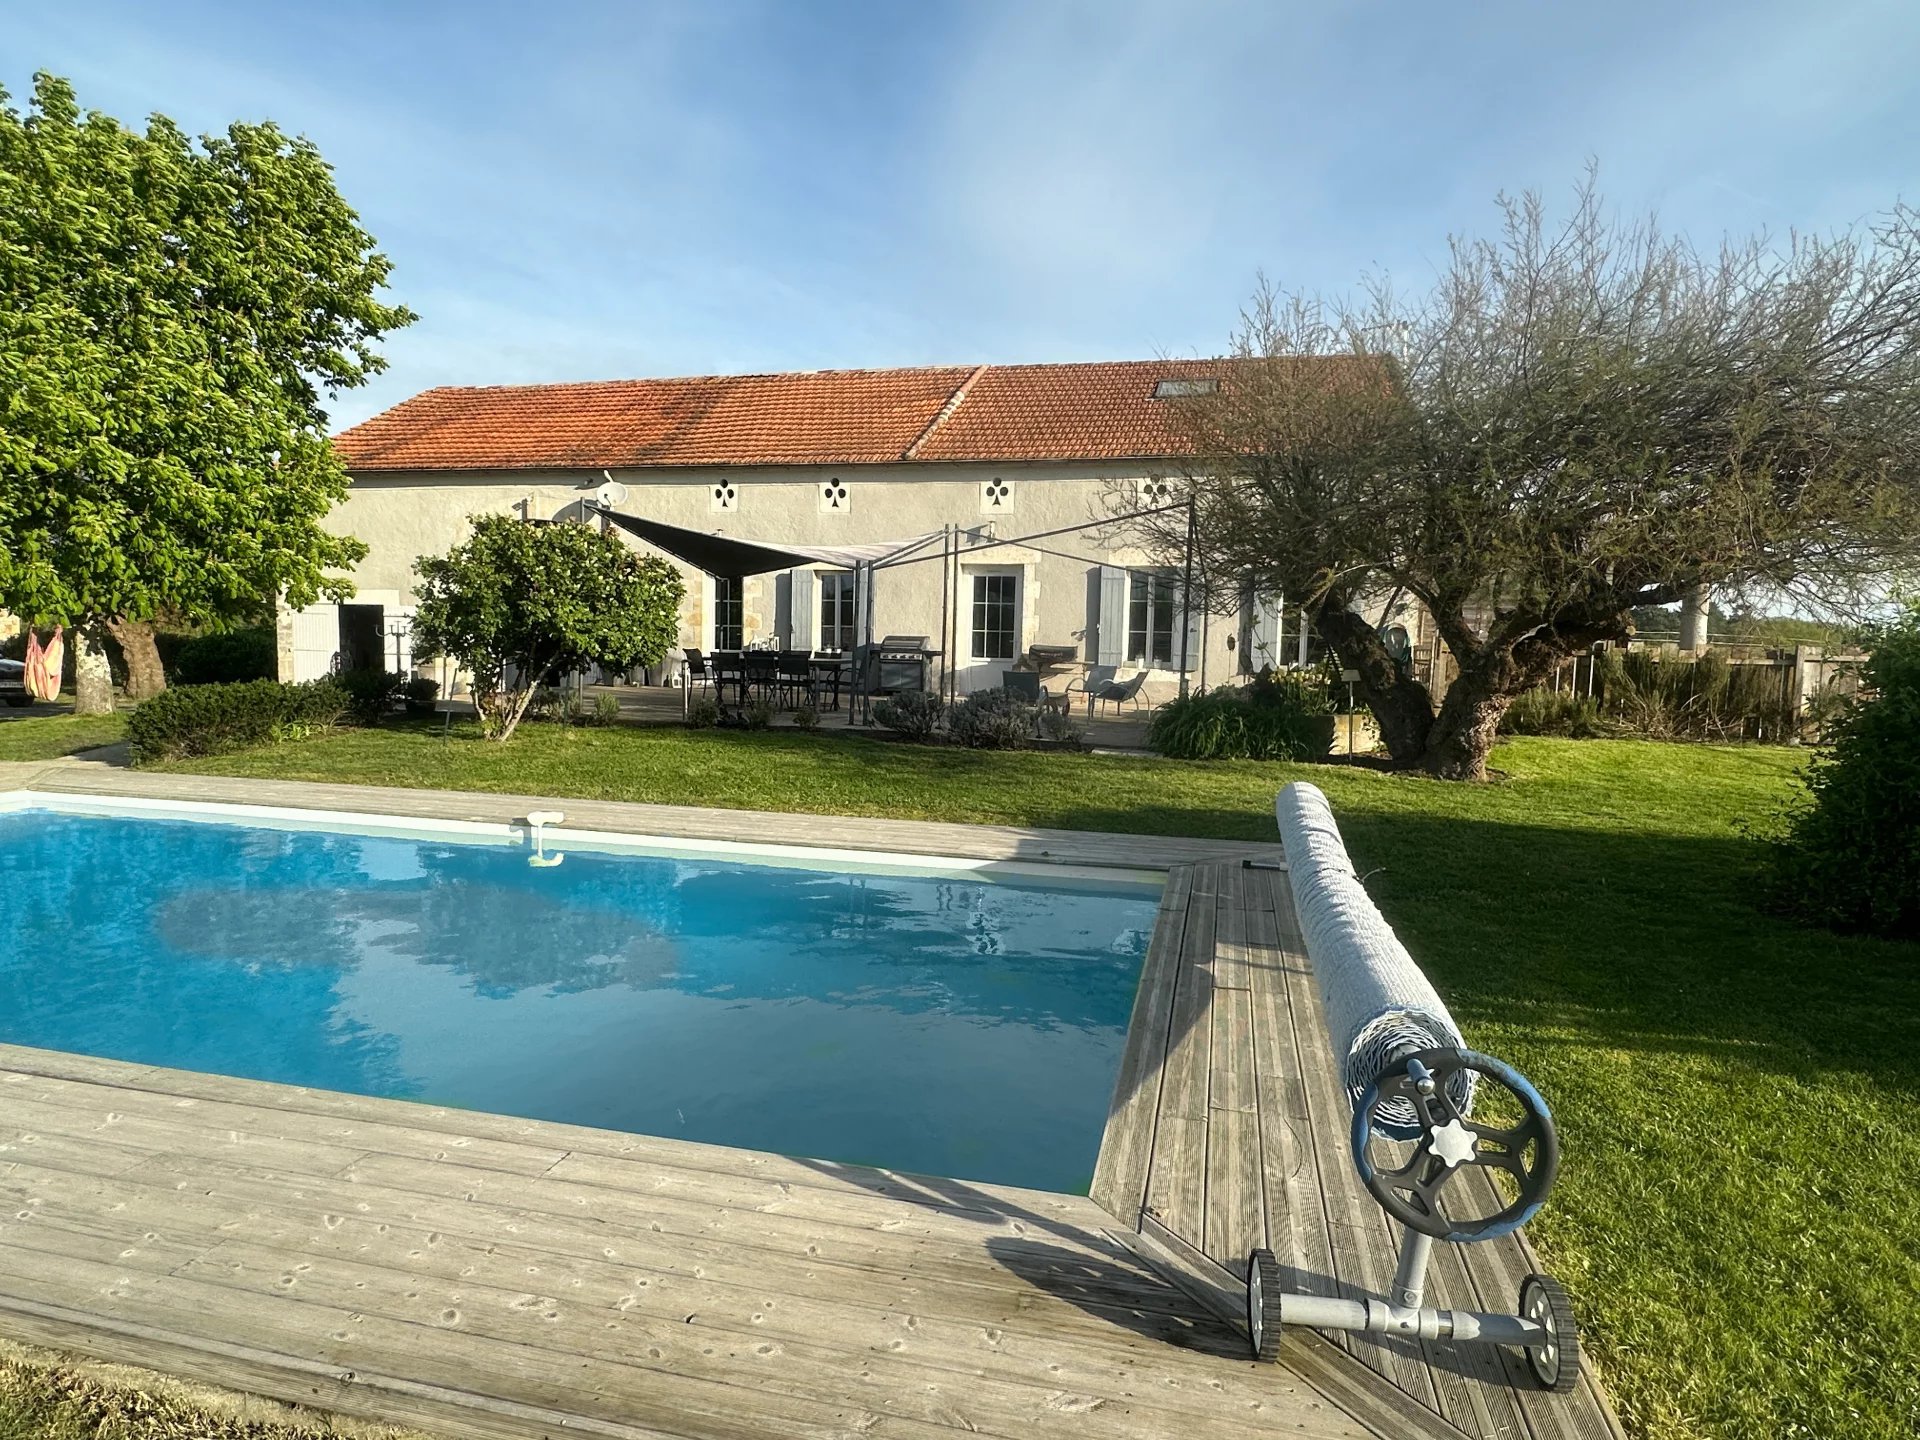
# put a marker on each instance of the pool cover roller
(1379, 1004)
(1411, 1082)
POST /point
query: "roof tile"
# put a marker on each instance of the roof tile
(827, 417)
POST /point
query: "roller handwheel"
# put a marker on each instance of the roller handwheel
(1263, 1304)
(1448, 1144)
(1555, 1362)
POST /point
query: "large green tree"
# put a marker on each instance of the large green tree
(518, 599)
(172, 314)
(1580, 418)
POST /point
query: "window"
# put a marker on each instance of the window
(729, 611)
(836, 611)
(1180, 389)
(1153, 610)
(996, 615)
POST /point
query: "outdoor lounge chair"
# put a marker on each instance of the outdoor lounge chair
(1110, 691)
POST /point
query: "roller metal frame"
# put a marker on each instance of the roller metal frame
(1551, 1344)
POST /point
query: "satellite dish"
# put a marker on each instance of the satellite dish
(611, 494)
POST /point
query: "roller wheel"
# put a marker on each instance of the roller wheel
(1555, 1362)
(1263, 1304)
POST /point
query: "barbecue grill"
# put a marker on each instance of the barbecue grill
(900, 663)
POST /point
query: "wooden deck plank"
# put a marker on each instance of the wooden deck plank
(1296, 1219)
(944, 1292)
(1126, 1147)
(784, 1253)
(819, 1310)
(267, 1105)
(1362, 1264)
(1235, 1208)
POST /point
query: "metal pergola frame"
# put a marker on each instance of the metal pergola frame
(953, 552)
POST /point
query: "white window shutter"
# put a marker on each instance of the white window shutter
(1263, 647)
(1111, 638)
(800, 611)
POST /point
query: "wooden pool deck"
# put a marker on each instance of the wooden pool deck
(481, 1275)
(1228, 1130)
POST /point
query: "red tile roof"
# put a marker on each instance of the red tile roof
(826, 417)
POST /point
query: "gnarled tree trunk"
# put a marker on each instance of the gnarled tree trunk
(92, 675)
(1452, 739)
(1401, 705)
(146, 676)
(1463, 732)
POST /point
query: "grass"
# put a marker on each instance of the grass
(48, 737)
(1736, 1215)
(44, 1397)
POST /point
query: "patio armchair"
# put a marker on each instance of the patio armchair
(699, 671)
(728, 669)
(762, 675)
(795, 673)
(1109, 690)
(1027, 685)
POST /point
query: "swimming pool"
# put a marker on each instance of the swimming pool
(945, 1021)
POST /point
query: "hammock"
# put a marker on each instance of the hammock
(44, 664)
(1379, 1004)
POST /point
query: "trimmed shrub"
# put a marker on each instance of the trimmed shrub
(703, 712)
(371, 694)
(421, 693)
(914, 714)
(1281, 716)
(992, 720)
(758, 713)
(219, 659)
(1057, 724)
(1850, 858)
(214, 719)
(807, 717)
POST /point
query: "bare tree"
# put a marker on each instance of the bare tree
(1581, 417)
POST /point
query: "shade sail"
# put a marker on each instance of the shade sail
(731, 559)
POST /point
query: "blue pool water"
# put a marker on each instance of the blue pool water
(943, 1024)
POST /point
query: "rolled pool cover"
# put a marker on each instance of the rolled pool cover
(1379, 1005)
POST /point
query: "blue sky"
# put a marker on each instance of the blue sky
(579, 190)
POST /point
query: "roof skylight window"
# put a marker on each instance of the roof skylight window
(1179, 389)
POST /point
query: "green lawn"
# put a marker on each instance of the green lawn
(1737, 1214)
(48, 737)
(43, 1397)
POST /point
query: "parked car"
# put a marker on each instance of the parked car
(13, 683)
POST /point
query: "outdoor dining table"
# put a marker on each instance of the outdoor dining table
(742, 673)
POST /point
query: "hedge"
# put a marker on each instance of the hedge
(213, 719)
(220, 658)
